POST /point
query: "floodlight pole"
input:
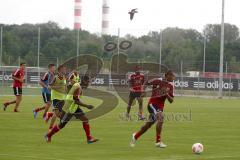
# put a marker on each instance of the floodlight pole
(221, 53)
(1, 32)
(204, 53)
(38, 56)
(118, 49)
(160, 50)
(78, 38)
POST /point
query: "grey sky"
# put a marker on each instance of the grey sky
(153, 14)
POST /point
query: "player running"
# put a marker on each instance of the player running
(161, 90)
(46, 93)
(73, 77)
(71, 108)
(18, 80)
(136, 82)
(58, 93)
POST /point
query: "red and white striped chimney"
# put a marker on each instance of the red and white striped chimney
(77, 14)
(105, 17)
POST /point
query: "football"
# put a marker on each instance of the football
(197, 148)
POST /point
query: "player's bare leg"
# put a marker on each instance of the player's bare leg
(86, 128)
(47, 115)
(53, 129)
(18, 101)
(52, 122)
(56, 114)
(5, 105)
(38, 109)
(47, 106)
(140, 113)
(159, 125)
(130, 102)
(65, 119)
(143, 129)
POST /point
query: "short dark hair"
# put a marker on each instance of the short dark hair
(60, 67)
(137, 68)
(51, 65)
(169, 72)
(22, 63)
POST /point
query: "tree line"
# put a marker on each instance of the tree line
(178, 45)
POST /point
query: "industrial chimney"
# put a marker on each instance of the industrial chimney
(105, 17)
(77, 14)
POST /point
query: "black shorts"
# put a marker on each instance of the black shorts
(46, 97)
(17, 91)
(134, 95)
(66, 117)
(57, 104)
(153, 111)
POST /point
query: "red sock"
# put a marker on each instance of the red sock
(158, 138)
(54, 130)
(49, 114)
(137, 135)
(39, 109)
(86, 128)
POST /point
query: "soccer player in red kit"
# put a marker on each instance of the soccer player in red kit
(136, 82)
(18, 80)
(161, 90)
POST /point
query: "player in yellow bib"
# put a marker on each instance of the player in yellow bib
(58, 93)
(72, 108)
(73, 78)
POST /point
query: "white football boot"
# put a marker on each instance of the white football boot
(161, 145)
(133, 141)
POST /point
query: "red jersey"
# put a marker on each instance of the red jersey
(136, 82)
(18, 73)
(159, 95)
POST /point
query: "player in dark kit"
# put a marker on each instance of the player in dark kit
(18, 80)
(46, 93)
(161, 90)
(71, 108)
(136, 82)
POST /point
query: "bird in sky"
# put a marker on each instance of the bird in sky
(132, 13)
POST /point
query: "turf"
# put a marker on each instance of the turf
(213, 122)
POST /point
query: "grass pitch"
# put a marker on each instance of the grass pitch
(213, 122)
